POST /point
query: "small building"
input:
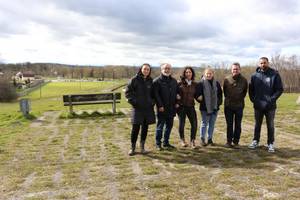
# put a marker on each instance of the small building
(29, 75)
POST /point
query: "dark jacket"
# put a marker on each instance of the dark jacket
(200, 91)
(187, 93)
(235, 90)
(165, 91)
(139, 95)
(265, 88)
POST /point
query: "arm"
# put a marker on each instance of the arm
(225, 87)
(245, 88)
(220, 95)
(156, 94)
(278, 88)
(251, 89)
(199, 92)
(130, 93)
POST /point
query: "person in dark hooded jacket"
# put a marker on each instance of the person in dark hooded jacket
(264, 89)
(139, 95)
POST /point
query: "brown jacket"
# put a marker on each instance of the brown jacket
(235, 90)
(187, 93)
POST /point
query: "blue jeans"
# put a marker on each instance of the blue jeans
(208, 120)
(259, 115)
(233, 115)
(162, 122)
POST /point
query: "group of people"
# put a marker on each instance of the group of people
(172, 97)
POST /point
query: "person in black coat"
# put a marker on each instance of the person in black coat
(209, 95)
(265, 88)
(165, 90)
(139, 95)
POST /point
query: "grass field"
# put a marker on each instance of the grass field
(54, 158)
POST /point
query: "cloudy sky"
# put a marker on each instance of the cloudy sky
(182, 32)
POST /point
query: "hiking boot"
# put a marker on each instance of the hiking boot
(203, 142)
(271, 148)
(253, 145)
(142, 145)
(228, 145)
(183, 143)
(210, 142)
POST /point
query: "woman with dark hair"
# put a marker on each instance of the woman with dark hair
(185, 98)
(139, 95)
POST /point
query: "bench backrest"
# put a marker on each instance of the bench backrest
(91, 97)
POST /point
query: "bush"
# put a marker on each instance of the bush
(7, 91)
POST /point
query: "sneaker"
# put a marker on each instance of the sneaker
(131, 152)
(253, 145)
(158, 147)
(228, 145)
(203, 143)
(183, 143)
(210, 142)
(271, 148)
(193, 145)
(168, 146)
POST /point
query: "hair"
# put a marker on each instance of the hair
(164, 65)
(208, 69)
(236, 64)
(182, 77)
(140, 69)
(264, 58)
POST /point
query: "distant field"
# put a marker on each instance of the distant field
(53, 158)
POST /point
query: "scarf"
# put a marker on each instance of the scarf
(210, 95)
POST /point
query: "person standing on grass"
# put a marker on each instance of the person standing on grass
(209, 95)
(235, 89)
(186, 95)
(264, 89)
(139, 95)
(165, 91)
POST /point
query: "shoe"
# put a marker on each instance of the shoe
(210, 142)
(183, 143)
(168, 146)
(193, 145)
(203, 142)
(271, 148)
(228, 145)
(158, 147)
(131, 152)
(253, 145)
(142, 145)
(236, 145)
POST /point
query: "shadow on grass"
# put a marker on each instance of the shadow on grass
(219, 156)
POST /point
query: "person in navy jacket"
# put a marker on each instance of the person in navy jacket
(264, 89)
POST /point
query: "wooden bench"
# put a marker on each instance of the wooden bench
(85, 99)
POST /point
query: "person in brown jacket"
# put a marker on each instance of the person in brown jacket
(235, 89)
(185, 98)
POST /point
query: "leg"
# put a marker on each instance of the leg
(204, 121)
(159, 129)
(258, 121)
(169, 125)
(192, 116)
(270, 115)
(211, 124)
(134, 135)
(181, 117)
(229, 122)
(144, 136)
(237, 125)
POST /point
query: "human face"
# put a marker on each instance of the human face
(263, 64)
(209, 75)
(235, 70)
(145, 70)
(188, 74)
(166, 69)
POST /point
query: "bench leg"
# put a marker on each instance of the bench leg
(71, 108)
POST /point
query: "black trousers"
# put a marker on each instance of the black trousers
(233, 116)
(259, 115)
(190, 112)
(135, 132)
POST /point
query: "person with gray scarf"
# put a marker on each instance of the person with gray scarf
(209, 95)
